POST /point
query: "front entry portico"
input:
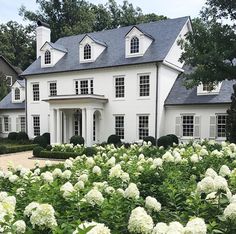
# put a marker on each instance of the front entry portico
(76, 115)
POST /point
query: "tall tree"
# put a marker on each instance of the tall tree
(17, 44)
(211, 47)
(4, 88)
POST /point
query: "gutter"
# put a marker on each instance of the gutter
(173, 66)
(156, 106)
(26, 112)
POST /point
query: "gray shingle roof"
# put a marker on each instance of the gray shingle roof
(164, 32)
(6, 104)
(179, 95)
(22, 83)
(56, 47)
(95, 40)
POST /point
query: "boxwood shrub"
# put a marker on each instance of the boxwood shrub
(22, 136)
(114, 139)
(12, 136)
(175, 139)
(77, 140)
(57, 155)
(37, 150)
(15, 149)
(151, 139)
(90, 151)
(41, 141)
(3, 149)
(165, 141)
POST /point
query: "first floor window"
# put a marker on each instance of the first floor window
(6, 124)
(0, 124)
(188, 125)
(35, 92)
(119, 87)
(119, 126)
(53, 88)
(36, 125)
(144, 85)
(22, 124)
(84, 86)
(143, 123)
(220, 125)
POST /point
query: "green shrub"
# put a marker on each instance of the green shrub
(19, 148)
(37, 150)
(175, 139)
(151, 139)
(114, 139)
(77, 140)
(3, 149)
(165, 141)
(49, 148)
(22, 136)
(57, 155)
(13, 136)
(90, 151)
(41, 141)
(46, 135)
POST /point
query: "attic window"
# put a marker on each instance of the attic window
(87, 51)
(17, 94)
(207, 87)
(47, 57)
(134, 45)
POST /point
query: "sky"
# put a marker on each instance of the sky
(171, 8)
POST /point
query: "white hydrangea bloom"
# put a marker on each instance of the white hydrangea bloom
(175, 228)
(121, 192)
(140, 221)
(13, 178)
(19, 226)
(115, 171)
(67, 189)
(94, 197)
(97, 170)
(20, 192)
(160, 228)
(152, 204)
(98, 228)
(47, 176)
(157, 162)
(224, 171)
(132, 191)
(168, 157)
(212, 198)
(24, 171)
(125, 177)
(220, 183)
(48, 163)
(90, 162)
(206, 185)
(194, 158)
(210, 172)
(230, 212)
(68, 163)
(83, 177)
(43, 216)
(109, 190)
(30, 208)
(233, 199)
(66, 174)
(79, 185)
(196, 226)
(37, 171)
(203, 152)
(57, 173)
(111, 161)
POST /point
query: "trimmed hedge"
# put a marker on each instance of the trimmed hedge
(22, 136)
(15, 149)
(57, 155)
(90, 151)
(37, 150)
(46, 135)
(12, 136)
(175, 139)
(41, 141)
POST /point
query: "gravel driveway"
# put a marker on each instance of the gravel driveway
(24, 159)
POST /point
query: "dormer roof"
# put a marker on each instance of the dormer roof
(144, 33)
(94, 39)
(55, 46)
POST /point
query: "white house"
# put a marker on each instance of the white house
(122, 81)
(12, 110)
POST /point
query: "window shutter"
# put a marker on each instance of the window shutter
(18, 124)
(9, 124)
(197, 125)
(178, 126)
(0, 124)
(212, 127)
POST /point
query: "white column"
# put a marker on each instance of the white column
(65, 127)
(58, 126)
(84, 121)
(70, 125)
(52, 126)
(89, 126)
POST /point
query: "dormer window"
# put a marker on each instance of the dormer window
(47, 57)
(17, 94)
(134, 45)
(87, 52)
(208, 89)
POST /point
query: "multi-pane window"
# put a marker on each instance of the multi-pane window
(87, 51)
(119, 126)
(134, 45)
(143, 129)
(207, 87)
(188, 125)
(17, 94)
(84, 86)
(221, 123)
(36, 125)
(35, 92)
(53, 88)
(144, 85)
(119, 87)
(6, 123)
(22, 124)
(47, 57)
(0, 124)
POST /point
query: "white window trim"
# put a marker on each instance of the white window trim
(49, 92)
(33, 124)
(215, 91)
(89, 85)
(216, 137)
(82, 60)
(117, 115)
(9, 124)
(51, 50)
(22, 116)
(33, 92)
(138, 86)
(114, 88)
(137, 124)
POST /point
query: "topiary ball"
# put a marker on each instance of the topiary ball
(151, 139)
(41, 141)
(165, 141)
(46, 135)
(22, 136)
(175, 139)
(12, 136)
(114, 139)
(77, 140)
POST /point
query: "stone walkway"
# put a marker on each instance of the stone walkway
(24, 159)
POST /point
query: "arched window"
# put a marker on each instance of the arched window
(87, 51)
(47, 57)
(17, 94)
(134, 45)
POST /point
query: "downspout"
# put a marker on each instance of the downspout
(156, 104)
(26, 112)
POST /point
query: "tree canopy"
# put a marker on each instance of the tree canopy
(211, 47)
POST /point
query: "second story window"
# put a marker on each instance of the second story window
(134, 45)
(53, 88)
(119, 87)
(17, 94)
(35, 92)
(84, 86)
(47, 57)
(144, 85)
(87, 51)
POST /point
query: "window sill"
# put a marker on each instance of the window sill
(119, 99)
(35, 102)
(144, 98)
